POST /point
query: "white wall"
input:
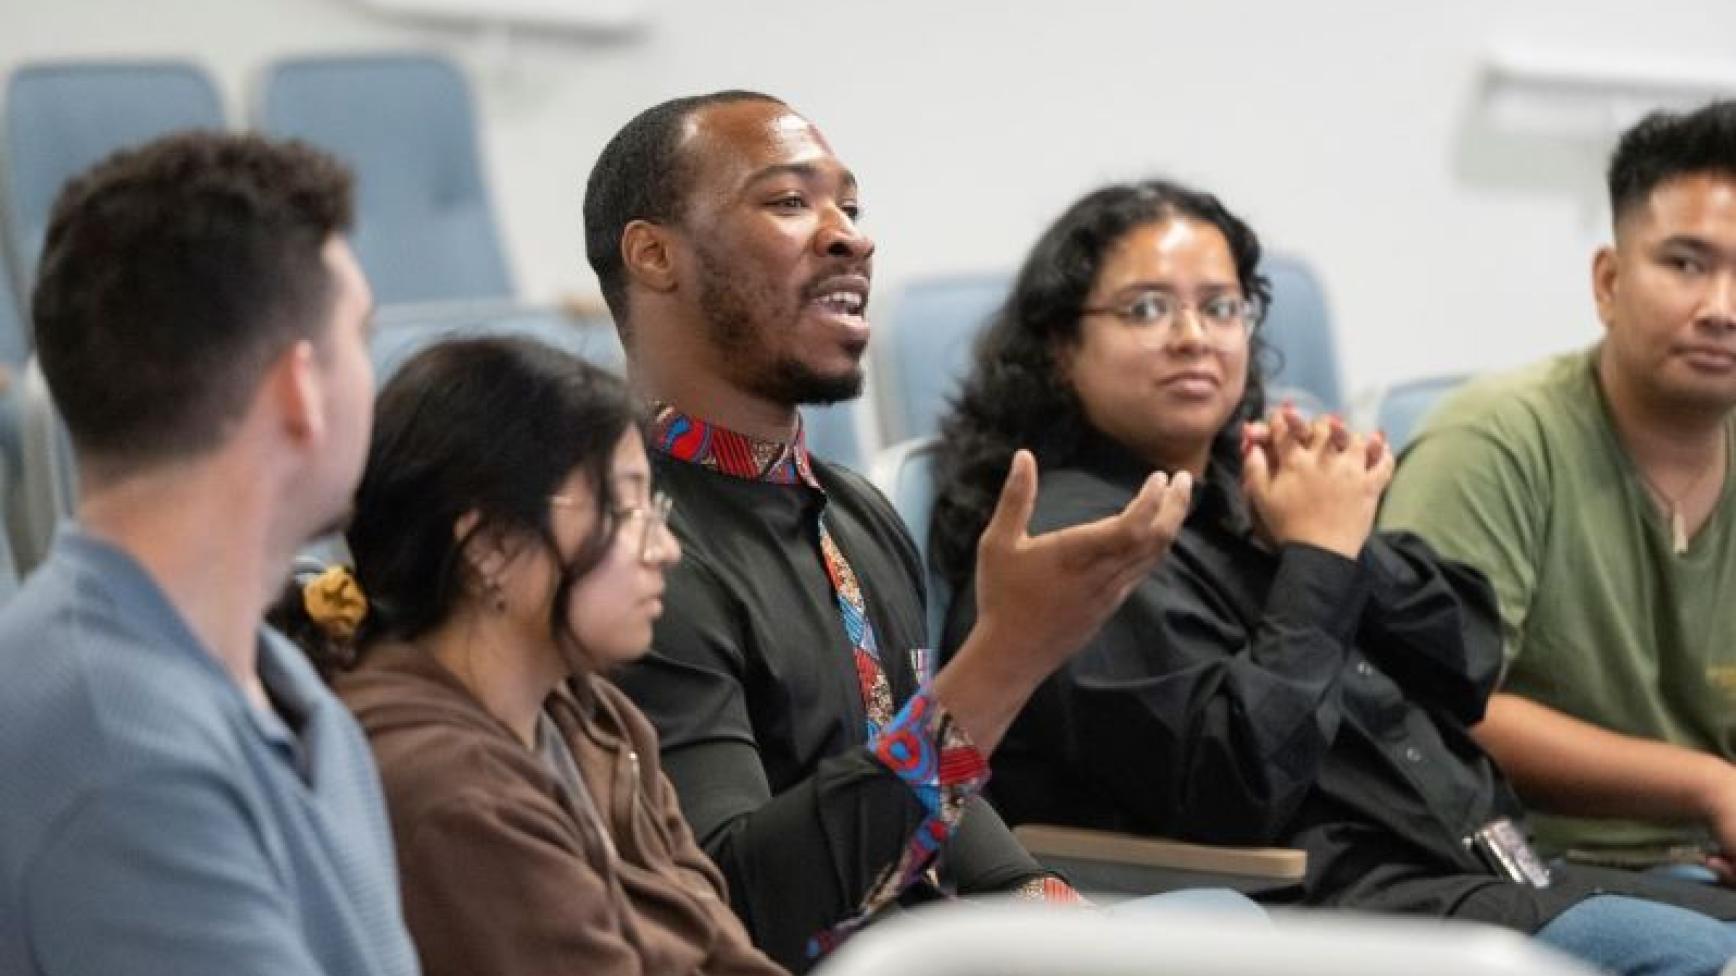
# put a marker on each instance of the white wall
(1345, 130)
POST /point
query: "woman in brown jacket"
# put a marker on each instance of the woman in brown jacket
(510, 549)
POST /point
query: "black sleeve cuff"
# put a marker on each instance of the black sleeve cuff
(1319, 588)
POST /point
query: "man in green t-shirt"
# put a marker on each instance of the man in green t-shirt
(1595, 490)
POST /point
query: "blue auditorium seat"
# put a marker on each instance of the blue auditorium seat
(1404, 406)
(929, 341)
(425, 228)
(11, 450)
(47, 478)
(905, 473)
(403, 330)
(1298, 327)
(833, 433)
(63, 117)
(14, 319)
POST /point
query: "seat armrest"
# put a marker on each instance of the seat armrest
(1080, 844)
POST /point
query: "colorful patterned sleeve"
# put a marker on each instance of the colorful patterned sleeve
(934, 757)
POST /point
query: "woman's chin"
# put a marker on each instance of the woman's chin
(625, 652)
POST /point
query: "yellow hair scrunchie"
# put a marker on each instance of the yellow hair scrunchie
(335, 602)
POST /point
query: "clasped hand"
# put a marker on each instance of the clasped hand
(1314, 482)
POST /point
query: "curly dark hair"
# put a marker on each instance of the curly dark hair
(1665, 145)
(172, 275)
(1014, 397)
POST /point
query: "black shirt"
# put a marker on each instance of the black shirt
(1292, 697)
(752, 686)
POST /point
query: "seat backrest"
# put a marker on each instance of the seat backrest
(11, 457)
(15, 329)
(833, 433)
(904, 472)
(929, 337)
(401, 332)
(1404, 406)
(47, 481)
(9, 578)
(63, 117)
(1298, 327)
(425, 228)
(11, 319)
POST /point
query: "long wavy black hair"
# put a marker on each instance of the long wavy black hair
(1015, 396)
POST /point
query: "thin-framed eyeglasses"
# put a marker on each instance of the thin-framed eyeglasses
(654, 517)
(1222, 318)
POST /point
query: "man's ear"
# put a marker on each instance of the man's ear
(1605, 279)
(293, 382)
(648, 253)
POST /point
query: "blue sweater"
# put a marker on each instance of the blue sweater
(152, 821)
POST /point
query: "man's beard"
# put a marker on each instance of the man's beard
(729, 307)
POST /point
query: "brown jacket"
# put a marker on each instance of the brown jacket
(501, 874)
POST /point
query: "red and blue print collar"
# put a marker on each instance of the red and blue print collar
(696, 441)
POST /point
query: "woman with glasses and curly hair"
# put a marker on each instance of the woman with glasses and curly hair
(509, 551)
(1286, 676)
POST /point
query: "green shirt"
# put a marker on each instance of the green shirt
(1522, 476)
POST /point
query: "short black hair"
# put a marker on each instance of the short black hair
(1666, 145)
(641, 175)
(171, 275)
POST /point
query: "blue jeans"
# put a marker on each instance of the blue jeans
(1636, 937)
(1697, 873)
(1219, 902)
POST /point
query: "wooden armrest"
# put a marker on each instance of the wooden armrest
(1277, 863)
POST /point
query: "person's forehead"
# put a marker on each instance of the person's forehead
(729, 143)
(1685, 201)
(1159, 242)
